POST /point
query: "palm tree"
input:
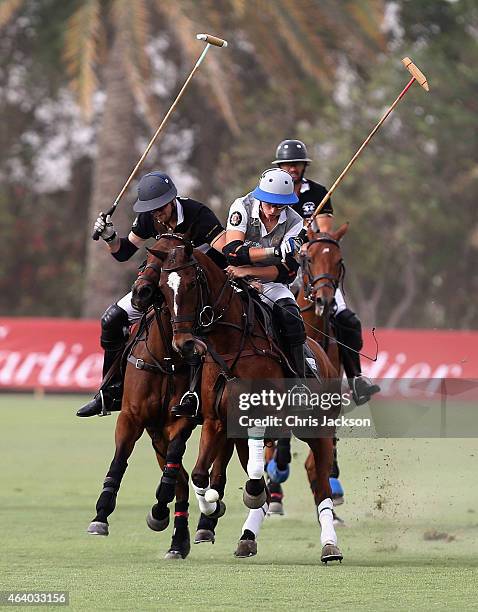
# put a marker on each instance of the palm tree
(281, 43)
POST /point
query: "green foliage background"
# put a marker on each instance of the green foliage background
(320, 71)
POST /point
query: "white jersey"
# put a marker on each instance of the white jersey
(244, 216)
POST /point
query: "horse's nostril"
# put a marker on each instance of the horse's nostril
(145, 293)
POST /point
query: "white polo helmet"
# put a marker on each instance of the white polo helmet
(276, 187)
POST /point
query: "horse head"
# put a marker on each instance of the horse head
(145, 288)
(322, 267)
(182, 284)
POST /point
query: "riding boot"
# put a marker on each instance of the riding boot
(189, 404)
(297, 357)
(348, 330)
(114, 333)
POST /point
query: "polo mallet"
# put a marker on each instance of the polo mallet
(210, 40)
(417, 76)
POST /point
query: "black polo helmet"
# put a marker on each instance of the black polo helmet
(291, 151)
(155, 190)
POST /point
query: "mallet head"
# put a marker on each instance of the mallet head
(420, 78)
(212, 40)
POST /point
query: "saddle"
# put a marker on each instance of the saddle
(264, 315)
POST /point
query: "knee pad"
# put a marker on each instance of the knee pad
(290, 321)
(114, 328)
(349, 329)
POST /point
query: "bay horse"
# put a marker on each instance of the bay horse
(154, 379)
(209, 318)
(322, 272)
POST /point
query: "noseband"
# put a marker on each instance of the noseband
(329, 280)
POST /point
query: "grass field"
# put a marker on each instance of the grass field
(52, 469)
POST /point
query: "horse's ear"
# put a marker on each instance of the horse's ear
(159, 254)
(310, 232)
(340, 233)
(188, 249)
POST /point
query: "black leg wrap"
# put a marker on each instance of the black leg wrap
(181, 517)
(167, 486)
(335, 473)
(107, 500)
(206, 522)
(348, 330)
(283, 457)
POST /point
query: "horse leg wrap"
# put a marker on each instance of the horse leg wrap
(167, 486)
(326, 520)
(276, 475)
(207, 523)
(335, 473)
(282, 454)
(255, 518)
(206, 508)
(107, 500)
(255, 463)
(181, 516)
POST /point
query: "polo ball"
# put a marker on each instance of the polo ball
(211, 496)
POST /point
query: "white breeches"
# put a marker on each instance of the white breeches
(125, 303)
(271, 292)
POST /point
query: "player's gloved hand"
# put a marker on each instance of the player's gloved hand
(105, 228)
(288, 247)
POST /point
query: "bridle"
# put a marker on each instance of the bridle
(328, 280)
(205, 315)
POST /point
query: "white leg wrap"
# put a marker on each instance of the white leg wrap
(326, 519)
(205, 507)
(255, 518)
(255, 464)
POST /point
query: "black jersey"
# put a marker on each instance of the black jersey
(310, 196)
(195, 218)
(198, 220)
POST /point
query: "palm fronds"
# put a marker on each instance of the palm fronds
(83, 31)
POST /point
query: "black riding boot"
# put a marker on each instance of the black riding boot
(114, 332)
(291, 330)
(348, 330)
(189, 404)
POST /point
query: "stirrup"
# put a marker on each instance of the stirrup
(176, 410)
(104, 410)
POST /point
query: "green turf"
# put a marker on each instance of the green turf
(52, 468)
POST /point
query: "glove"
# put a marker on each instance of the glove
(105, 228)
(288, 247)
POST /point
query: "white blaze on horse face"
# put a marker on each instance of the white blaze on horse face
(174, 280)
(326, 250)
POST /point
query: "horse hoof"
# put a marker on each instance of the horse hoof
(254, 501)
(330, 552)
(275, 509)
(97, 528)
(179, 551)
(173, 555)
(204, 535)
(155, 524)
(219, 511)
(246, 548)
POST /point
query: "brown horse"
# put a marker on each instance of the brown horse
(203, 303)
(148, 390)
(322, 272)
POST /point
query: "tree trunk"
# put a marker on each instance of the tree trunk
(107, 280)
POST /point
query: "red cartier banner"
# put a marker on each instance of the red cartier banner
(65, 354)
